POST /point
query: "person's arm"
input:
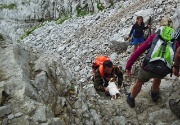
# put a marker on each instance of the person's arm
(176, 62)
(138, 52)
(132, 29)
(119, 75)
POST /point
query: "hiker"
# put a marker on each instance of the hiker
(136, 36)
(147, 72)
(103, 72)
(175, 104)
(177, 61)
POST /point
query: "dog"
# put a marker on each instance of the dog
(113, 89)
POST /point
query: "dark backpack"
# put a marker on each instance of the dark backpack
(159, 59)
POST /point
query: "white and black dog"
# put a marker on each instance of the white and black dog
(113, 89)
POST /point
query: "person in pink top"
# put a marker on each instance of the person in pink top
(143, 75)
(174, 104)
(177, 62)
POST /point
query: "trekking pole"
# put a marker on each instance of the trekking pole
(149, 23)
(149, 31)
(177, 34)
(124, 86)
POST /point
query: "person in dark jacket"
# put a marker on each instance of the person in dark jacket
(136, 36)
(109, 70)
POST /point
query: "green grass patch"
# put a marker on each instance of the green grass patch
(111, 4)
(29, 31)
(5, 6)
(1, 37)
(61, 20)
(81, 12)
(90, 107)
(100, 6)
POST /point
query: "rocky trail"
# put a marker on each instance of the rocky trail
(55, 56)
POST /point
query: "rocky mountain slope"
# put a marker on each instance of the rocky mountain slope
(38, 72)
(16, 16)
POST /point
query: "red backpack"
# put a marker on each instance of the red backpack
(98, 63)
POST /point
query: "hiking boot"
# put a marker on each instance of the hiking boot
(130, 101)
(99, 87)
(155, 96)
(175, 107)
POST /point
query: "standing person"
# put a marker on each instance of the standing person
(104, 72)
(177, 62)
(145, 73)
(173, 104)
(137, 32)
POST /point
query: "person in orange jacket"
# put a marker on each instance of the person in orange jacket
(104, 70)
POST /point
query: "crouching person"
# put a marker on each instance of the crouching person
(104, 73)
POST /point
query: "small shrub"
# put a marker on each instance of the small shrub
(29, 31)
(10, 6)
(41, 20)
(90, 107)
(61, 20)
(1, 37)
(100, 6)
(81, 12)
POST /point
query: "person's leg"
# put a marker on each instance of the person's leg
(139, 44)
(135, 47)
(155, 89)
(136, 89)
(98, 87)
(155, 85)
(135, 43)
(134, 92)
(142, 77)
(141, 40)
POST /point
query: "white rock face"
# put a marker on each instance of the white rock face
(176, 18)
(145, 14)
(18, 15)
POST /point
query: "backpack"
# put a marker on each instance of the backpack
(159, 59)
(98, 63)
